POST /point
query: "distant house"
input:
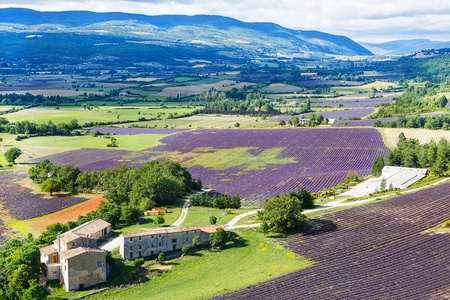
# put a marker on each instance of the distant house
(74, 258)
(140, 244)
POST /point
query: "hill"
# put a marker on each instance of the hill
(209, 31)
(404, 46)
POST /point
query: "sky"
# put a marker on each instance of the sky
(362, 21)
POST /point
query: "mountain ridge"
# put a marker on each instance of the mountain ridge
(263, 37)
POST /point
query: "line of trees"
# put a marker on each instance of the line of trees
(216, 200)
(128, 189)
(410, 153)
(428, 122)
(27, 127)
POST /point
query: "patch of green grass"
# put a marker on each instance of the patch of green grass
(150, 223)
(124, 142)
(200, 215)
(208, 273)
(222, 159)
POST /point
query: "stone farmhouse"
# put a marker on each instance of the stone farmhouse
(140, 244)
(74, 258)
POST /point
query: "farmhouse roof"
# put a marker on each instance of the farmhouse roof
(213, 228)
(79, 250)
(91, 227)
(401, 176)
(69, 236)
(161, 231)
(49, 250)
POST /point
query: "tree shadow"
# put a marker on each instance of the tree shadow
(321, 226)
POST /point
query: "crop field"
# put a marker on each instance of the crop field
(313, 83)
(390, 135)
(356, 103)
(223, 85)
(377, 84)
(22, 204)
(88, 159)
(37, 225)
(375, 251)
(259, 164)
(67, 113)
(344, 114)
(123, 142)
(279, 88)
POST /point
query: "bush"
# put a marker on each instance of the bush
(447, 224)
(161, 257)
(138, 262)
(213, 220)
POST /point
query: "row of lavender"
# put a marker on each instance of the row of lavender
(315, 158)
(320, 158)
(371, 252)
(22, 204)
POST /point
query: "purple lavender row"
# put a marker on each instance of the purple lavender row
(376, 251)
(23, 204)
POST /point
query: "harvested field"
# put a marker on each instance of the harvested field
(37, 226)
(278, 88)
(223, 85)
(390, 135)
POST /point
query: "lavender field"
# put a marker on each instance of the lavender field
(87, 159)
(344, 114)
(259, 164)
(375, 251)
(22, 204)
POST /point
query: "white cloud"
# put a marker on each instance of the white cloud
(360, 20)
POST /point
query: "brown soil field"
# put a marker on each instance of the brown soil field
(38, 225)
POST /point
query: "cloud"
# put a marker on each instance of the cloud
(360, 20)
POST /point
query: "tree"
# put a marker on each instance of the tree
(283, 213)
(186, 248)
(281, 123)
(34, 292)
(19, 281)
(383, 184)
(161, 258)
(237, 124)
(12, 154)
(130, 214)
(195, 240)
(138, 262)
(378, 166)
(51, 185)
(218, 238)
(264, 228)
(213, 220)
(160, 220)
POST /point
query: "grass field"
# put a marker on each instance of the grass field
(150, 223)
(208, 273)
(200, 215)
(361, 88)
(124, 142)
(104, 114)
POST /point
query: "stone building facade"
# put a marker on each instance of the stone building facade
(140, 244)
(74, 258)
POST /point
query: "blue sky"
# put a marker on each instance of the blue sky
(367, 21)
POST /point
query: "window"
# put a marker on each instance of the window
(187, 239)
(131, 254)
(140, 253)
(139, 238)
(152, 236)
(159, 235)
(131, 248)
(160, 244)
(153, 252)
(131, 239)
(152, 246)
(100, 264)
(174, 240)
(140, 247)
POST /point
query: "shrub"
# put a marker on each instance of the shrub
(138, 262)
(447, 224)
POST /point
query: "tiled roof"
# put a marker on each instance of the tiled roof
(91, 227)
(161, 231)
(69, 236)
(79, 250)
(49, 250)
(213, 228)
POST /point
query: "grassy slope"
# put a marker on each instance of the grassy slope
(200, 215)
(208, 273)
